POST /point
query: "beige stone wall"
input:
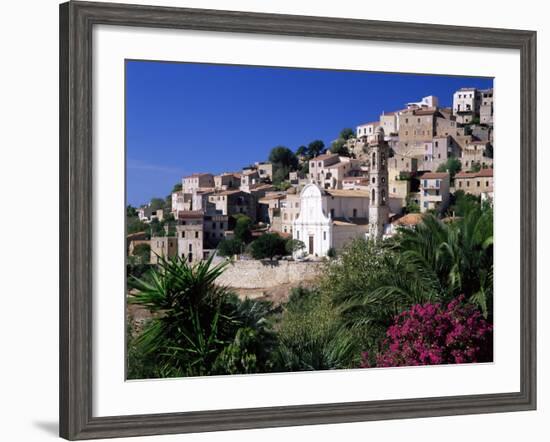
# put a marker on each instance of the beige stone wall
(265, 274)
(166, 246)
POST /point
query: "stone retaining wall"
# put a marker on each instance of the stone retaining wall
(268, 274)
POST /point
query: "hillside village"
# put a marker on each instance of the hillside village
(306, 204)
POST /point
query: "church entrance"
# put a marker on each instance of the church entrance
(311, 244)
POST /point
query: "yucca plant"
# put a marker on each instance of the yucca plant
(189, 323)
(198, 327)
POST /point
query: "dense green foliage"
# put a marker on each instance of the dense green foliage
(268, 246)
(310, 336)
(345, 320)
(198, 328)
(294, 245)
(142, 253)
(452, 165)
(412, 206)
(315, 148)
(230, 247)
(242, 230)
(284, 161)
(339, 146)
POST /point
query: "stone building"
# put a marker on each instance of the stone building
(429, 101)
(163, 246)
(466, 104)
(329, 170)
(486, 107)
(233, 202)
(438, 151)
(290, 209)
(366, 129)
(249, 178)
(197, 181)
(265, 171)
(473, 154)
(434, 191)
(199, 234)
(475, 183)
(269, 209)
(389, 121)
(226, 181)
(355, 183)
(181, 202)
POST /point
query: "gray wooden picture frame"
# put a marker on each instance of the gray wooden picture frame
(76, 163)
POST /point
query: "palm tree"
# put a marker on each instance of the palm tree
(449, 258)
(434, 262)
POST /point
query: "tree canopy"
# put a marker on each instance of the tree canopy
(230, 247)
(452, 165)
(284, 161)
(268, 246)
(347, 133)
(315, 148)
(243, 224)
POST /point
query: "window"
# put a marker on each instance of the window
(190, 247)
(425, 183)
(183, 234)
(190, 257)
(486, 183)
(425, 204)
(373, 180)
(355, 213)
(297, 234)
(460, 184)
(324, 236)
(196, 234)
(467, 184)
(332, 213)
(478, 184)
(373, 197)
(437, 192)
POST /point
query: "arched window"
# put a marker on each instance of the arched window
(374, 159)
(383, 197)
(373, 198)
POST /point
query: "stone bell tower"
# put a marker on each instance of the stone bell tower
(378, 152)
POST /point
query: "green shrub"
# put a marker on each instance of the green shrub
(310, 337)
(268, 246)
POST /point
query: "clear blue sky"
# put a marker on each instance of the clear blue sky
(184, 118)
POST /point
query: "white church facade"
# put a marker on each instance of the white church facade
(328, 219)
(331, 218)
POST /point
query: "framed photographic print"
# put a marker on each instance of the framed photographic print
(272, 220)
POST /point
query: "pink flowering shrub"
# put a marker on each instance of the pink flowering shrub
(432, 334)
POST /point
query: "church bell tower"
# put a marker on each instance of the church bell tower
(378, 153)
